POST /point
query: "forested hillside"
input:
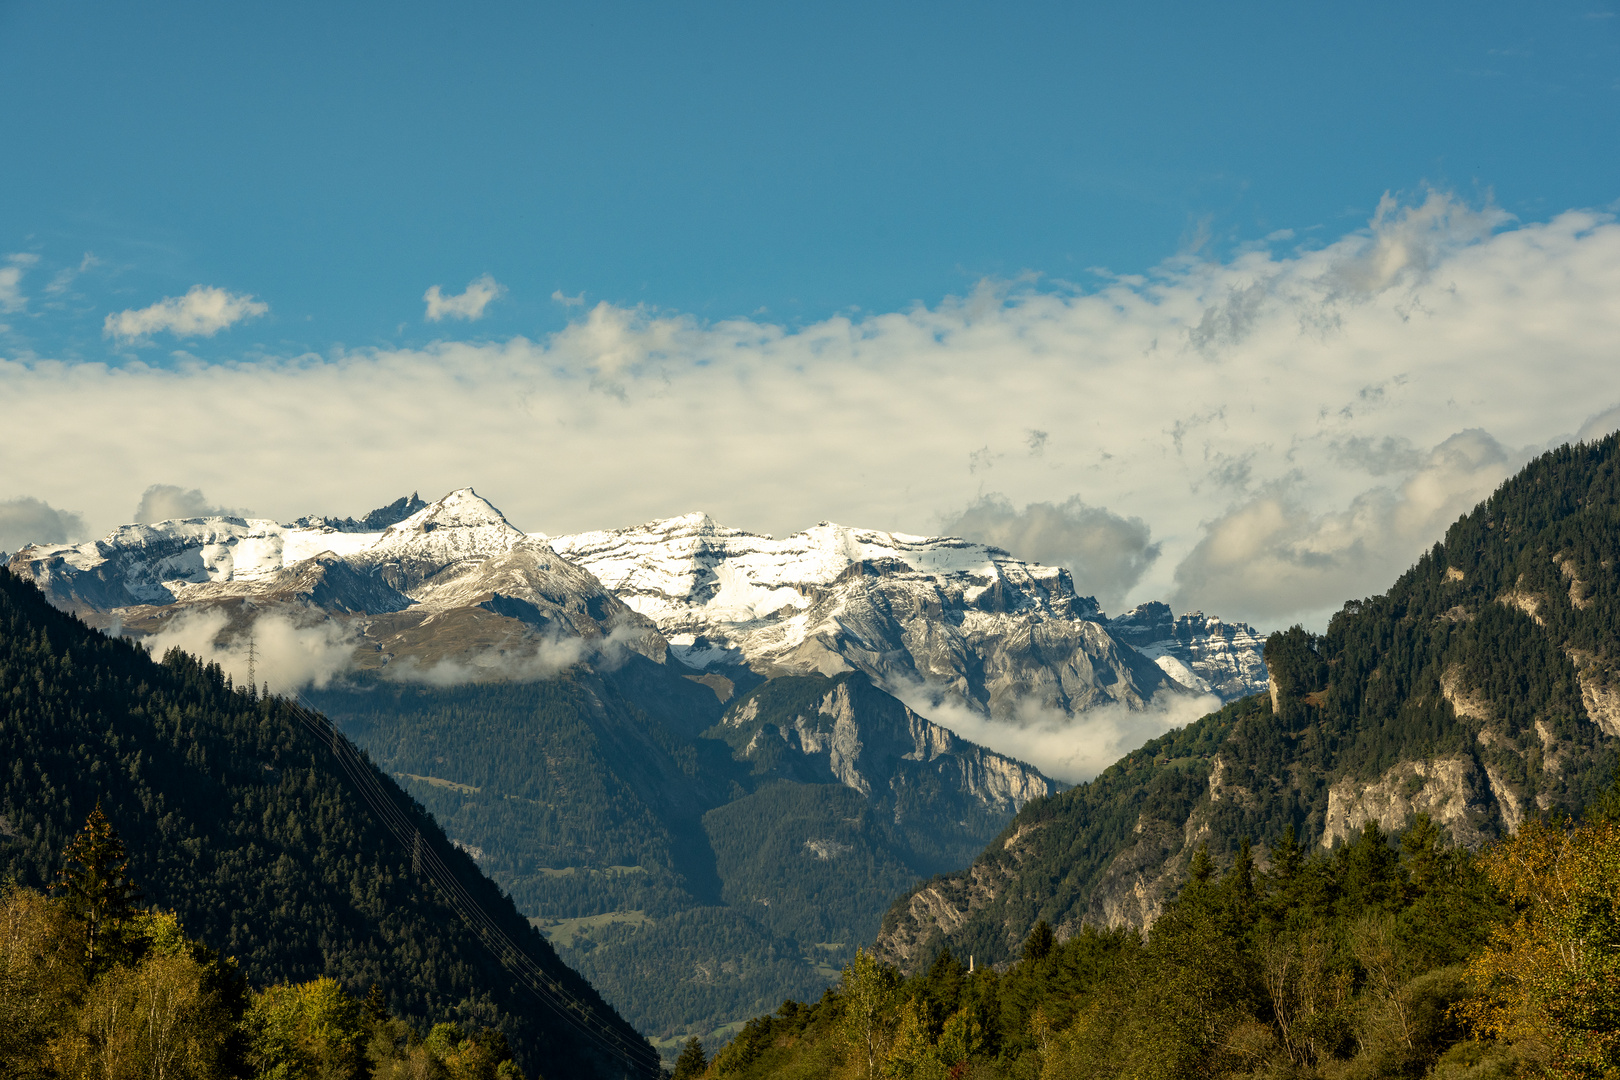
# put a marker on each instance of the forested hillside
(1479, 689)
(236, 816)
(1388, 957)
(697, 860)
(94, 986)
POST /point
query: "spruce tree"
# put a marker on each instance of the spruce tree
(94, 882)
(692, 1063)
(1038, 946)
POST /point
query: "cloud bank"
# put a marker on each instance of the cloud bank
(203, 312)
(1072, 749)
(1292, 427)
(26, 520)
(469, 305)
(1106, 553)
(161, 502)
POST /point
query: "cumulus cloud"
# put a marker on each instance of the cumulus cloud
(469, 305)
(1069, 748)
(27, 521)
(1106, 553)
(163, 502)
(1323, 403)
(1273, 556)
(287, 655)
(203, 312)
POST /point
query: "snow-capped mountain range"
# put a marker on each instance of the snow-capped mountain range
(455, 581)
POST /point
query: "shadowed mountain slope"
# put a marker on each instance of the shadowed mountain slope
(236, 814)
(1482, 689)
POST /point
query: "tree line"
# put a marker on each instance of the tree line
(236, 816)
(1389, 956)
(94, 985)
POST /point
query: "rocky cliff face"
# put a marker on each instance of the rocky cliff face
(453, 583)
(1476, 691)
(969, 621)
(945, 795)
(1200, 651)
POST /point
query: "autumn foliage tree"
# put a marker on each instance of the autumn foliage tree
(1550, 981)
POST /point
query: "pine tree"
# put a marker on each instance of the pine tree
(692, 1063)
(1287, 856)
(1038, 946)
(94, 881)
(1201, 867)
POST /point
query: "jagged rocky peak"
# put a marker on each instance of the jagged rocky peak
(463, 508)
(376, 521)
(461, 528)
(1200, 651)
(690, 572)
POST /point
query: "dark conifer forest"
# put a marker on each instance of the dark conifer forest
(238, 819)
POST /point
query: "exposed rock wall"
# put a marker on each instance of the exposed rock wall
(1450, 790)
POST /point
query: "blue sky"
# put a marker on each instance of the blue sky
(768, 160)
(1232, 305)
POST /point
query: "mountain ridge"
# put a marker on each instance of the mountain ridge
(236, 816)
(1462, 692)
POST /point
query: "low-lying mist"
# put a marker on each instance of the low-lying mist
(1069, 748)
(289, 654)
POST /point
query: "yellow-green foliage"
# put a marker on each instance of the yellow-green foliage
(171, 1009)
(309, 1031)
(1550, 981)
(1376, 960)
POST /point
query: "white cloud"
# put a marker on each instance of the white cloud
(163, 502)
(469, 305)
(11, 297)
(26, 520)
(287, 655)
(203, 312)
(1327, 401)
(1069, 748)
(1106, 553)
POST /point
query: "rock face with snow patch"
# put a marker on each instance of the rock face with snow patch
(960, 619)
(1199, 651)
(452, 583)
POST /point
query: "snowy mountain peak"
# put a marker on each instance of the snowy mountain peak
(1197, 650)
(463, 508)
(941, 611)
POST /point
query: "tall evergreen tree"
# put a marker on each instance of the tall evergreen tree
(95, 884)
(692, 1063)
